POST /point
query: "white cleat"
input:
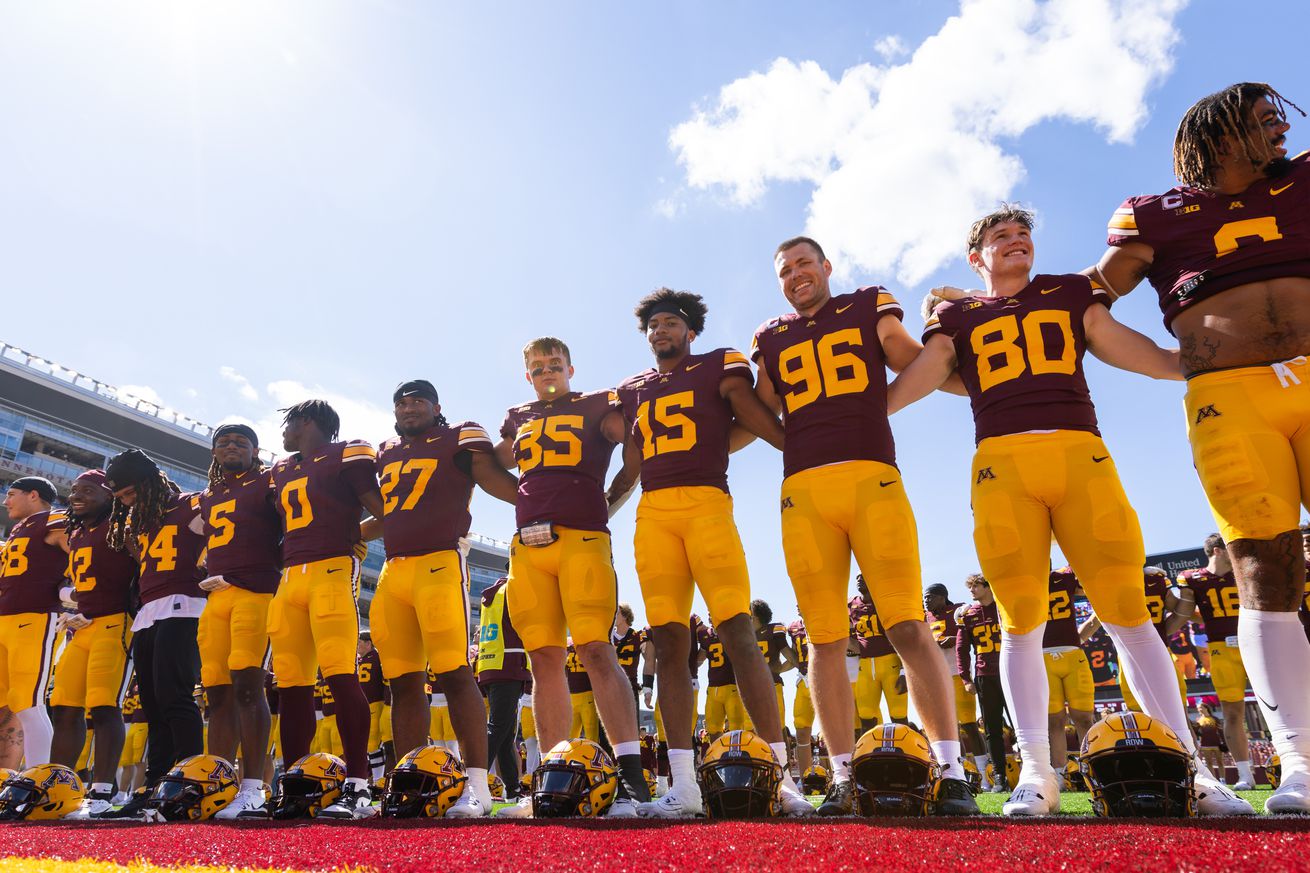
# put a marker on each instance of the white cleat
(1215, 798)
(622, 807)
(1039, 796)
(522, 809)
(249, 803)
(120, 798)
(1291, 798)
(468, 806)
(794, 803)
(1242, 785)
(680, 801)
(92, 807)
(355, 803)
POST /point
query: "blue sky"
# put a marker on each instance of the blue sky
(233, 207)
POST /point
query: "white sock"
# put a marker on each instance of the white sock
(947, 753)
(841, 768)
(453, 745)
(478, 784)
(534, 753)
(1023, 676)
(37, 735)
(629, 748)
(780, 752)
(682, 766)
(1244, 773)
(1151, 677)
(360, 784)
(1277, 659)
(246, 784)
(102, 787)
(981, 762)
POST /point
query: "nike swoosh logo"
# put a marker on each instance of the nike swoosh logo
(1097, 460)
(1052, 290)
(885, 484)
(1274, 192)
(335, 570)
(319, 458)
(1271, 707)
(21, 626)
(842, 309)
(432, 439)
(435, 569)
(691, 367)
(589, 539)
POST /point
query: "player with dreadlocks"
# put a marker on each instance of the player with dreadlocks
(1228, 253)
(419, 615)
(95, 669)
(162, 526)
(321, 491)
(244, 563)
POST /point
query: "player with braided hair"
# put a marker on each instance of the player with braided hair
(1228, 252)
(153, 519)
(244, 564)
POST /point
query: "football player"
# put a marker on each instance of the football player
(628, 642)
(771, 637)
(503, 674)
(95, 667)
(1068, 674)
(368, 667)
(419, 616)
(979, 631)
(824, 367)
(244, 561)
(164, 527)
(1226, 253)
(322, 489)
(582, 700)
(881, 673)
(939, 612)
(32, 566)
(1042, 470)
(802, 705)
(696, 655)
(682, 413)
(1219, 603)
(723, 707)
(561, 571)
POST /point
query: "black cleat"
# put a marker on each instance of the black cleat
(840, 799)
(137, 808)
(955, 797)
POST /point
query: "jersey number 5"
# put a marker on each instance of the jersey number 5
(679, 430)
(562, 430)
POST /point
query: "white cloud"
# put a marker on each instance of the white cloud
(359, 419)
(244, 388)
(904, 156)
(891, 47)
(133, 393)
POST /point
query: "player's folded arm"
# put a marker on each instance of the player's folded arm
(927, 372)
(1118, 345)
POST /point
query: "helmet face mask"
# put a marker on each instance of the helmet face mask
(309, 785)
(42, 793)
(195, 789)
(18, 798)
(576, 778)
(894, 772)
(740, 778)
(176, 799)
(1135, 766)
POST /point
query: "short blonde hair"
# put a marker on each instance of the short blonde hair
(544, 345)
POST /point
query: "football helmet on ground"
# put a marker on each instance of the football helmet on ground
(308, 786)
(576, 778)
(815, 780)
(496, 786)
(740, 777)
(195, 789)
(1134, 765)
(894, 772)
(41, 793)
(424, 784)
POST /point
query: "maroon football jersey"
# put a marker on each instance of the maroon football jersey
(1061, 623)
(716, 659)
(830, 373)
(1181, 642)
(628, 649)
(1208, 734)
(980, 631)
(579, 681)
(369, 670)
(942, 623)
(102, 576)
(800, 641)
(426, 488)
(1206, 242)
(680, 420)
(562, 454)
(318, 495)
(32, 570)
(244, 531)
(1101, 657)
(323, 699)
(772, 639)
(169, 553)
(1156, 582)
(1021, 357)
(1216, 598)
(867, 630)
